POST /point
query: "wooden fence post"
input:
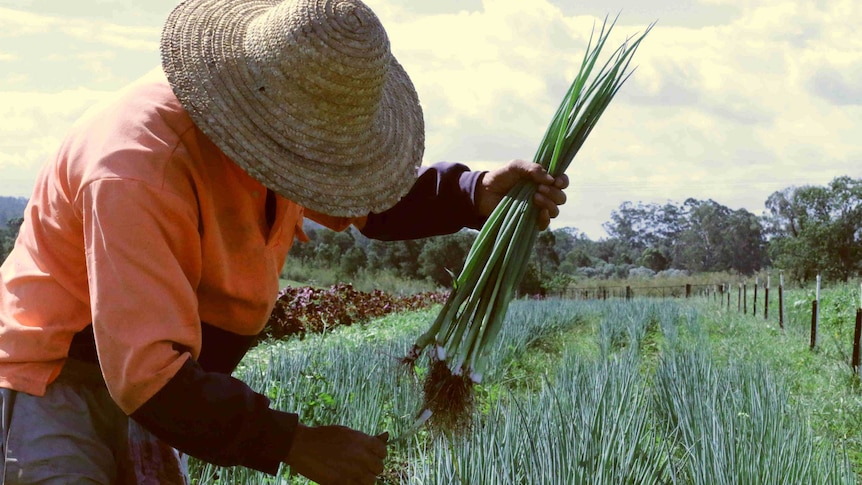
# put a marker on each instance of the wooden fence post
(739, 297)
(813, 342)
(744, 299)
(766, 300)
(817, 297)
(756, 284)
(856, 336)
(781, 301)
(688, 290)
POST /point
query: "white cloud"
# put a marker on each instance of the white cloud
(491, 71)
(32, 125)
(16, 23)
(731, 111)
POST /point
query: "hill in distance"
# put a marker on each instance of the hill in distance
(11, 208)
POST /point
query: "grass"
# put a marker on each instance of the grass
(646, 391)
(284, 283)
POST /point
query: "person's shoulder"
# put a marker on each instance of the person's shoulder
(139, 134)
(147, 102)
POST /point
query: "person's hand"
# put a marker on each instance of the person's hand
(337, 455)
(495, 184)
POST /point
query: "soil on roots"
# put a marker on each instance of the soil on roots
(449, 397)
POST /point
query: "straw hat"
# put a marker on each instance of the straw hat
(304, 95)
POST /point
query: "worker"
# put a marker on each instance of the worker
(150, 252)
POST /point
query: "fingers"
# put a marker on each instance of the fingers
(549, 195)
(533, 171)
(367, 479)
(538, 174)
(374, 467)
(562, 182)
(549, 198)
(378, 445)
(384, 437)
(544, 220)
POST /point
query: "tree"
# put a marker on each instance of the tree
(444, 254)
(695, 236)
(745, 238)
(531, 284)
(330, 246)
(817, 230)
(574, 250)
(653, 259)
(565, 240)
(402, 257)
(353, 260)
(702, 242)
(576, 258)
(8, 236)
(846, 230)
(629, 226)
(614, 251)
(636, 228)
(544, 253)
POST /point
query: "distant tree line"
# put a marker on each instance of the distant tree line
(804, 231)
(8, 235)
(11, 218)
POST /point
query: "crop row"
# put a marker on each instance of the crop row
(639, 399)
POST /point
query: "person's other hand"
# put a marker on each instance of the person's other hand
(496, 183)
(337, 455)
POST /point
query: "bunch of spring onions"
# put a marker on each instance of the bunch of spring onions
(473, 314)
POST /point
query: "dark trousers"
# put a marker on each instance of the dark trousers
(75, 433)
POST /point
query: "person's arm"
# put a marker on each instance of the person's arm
(144, 263)
(442, 201)
(218, 419)
(448, 197)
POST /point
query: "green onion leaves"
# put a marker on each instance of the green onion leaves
(472, 316)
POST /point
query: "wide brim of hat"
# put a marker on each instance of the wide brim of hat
(302, 159)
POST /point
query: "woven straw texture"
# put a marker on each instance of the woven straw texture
(304, 95)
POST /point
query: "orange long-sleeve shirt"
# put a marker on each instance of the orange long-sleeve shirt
(143, 228)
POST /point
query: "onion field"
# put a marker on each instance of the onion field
(602, 392)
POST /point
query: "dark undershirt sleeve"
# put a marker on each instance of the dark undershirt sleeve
(219, 419)
(442, 201)
(206, 413)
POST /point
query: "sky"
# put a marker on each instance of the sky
(731, 100)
